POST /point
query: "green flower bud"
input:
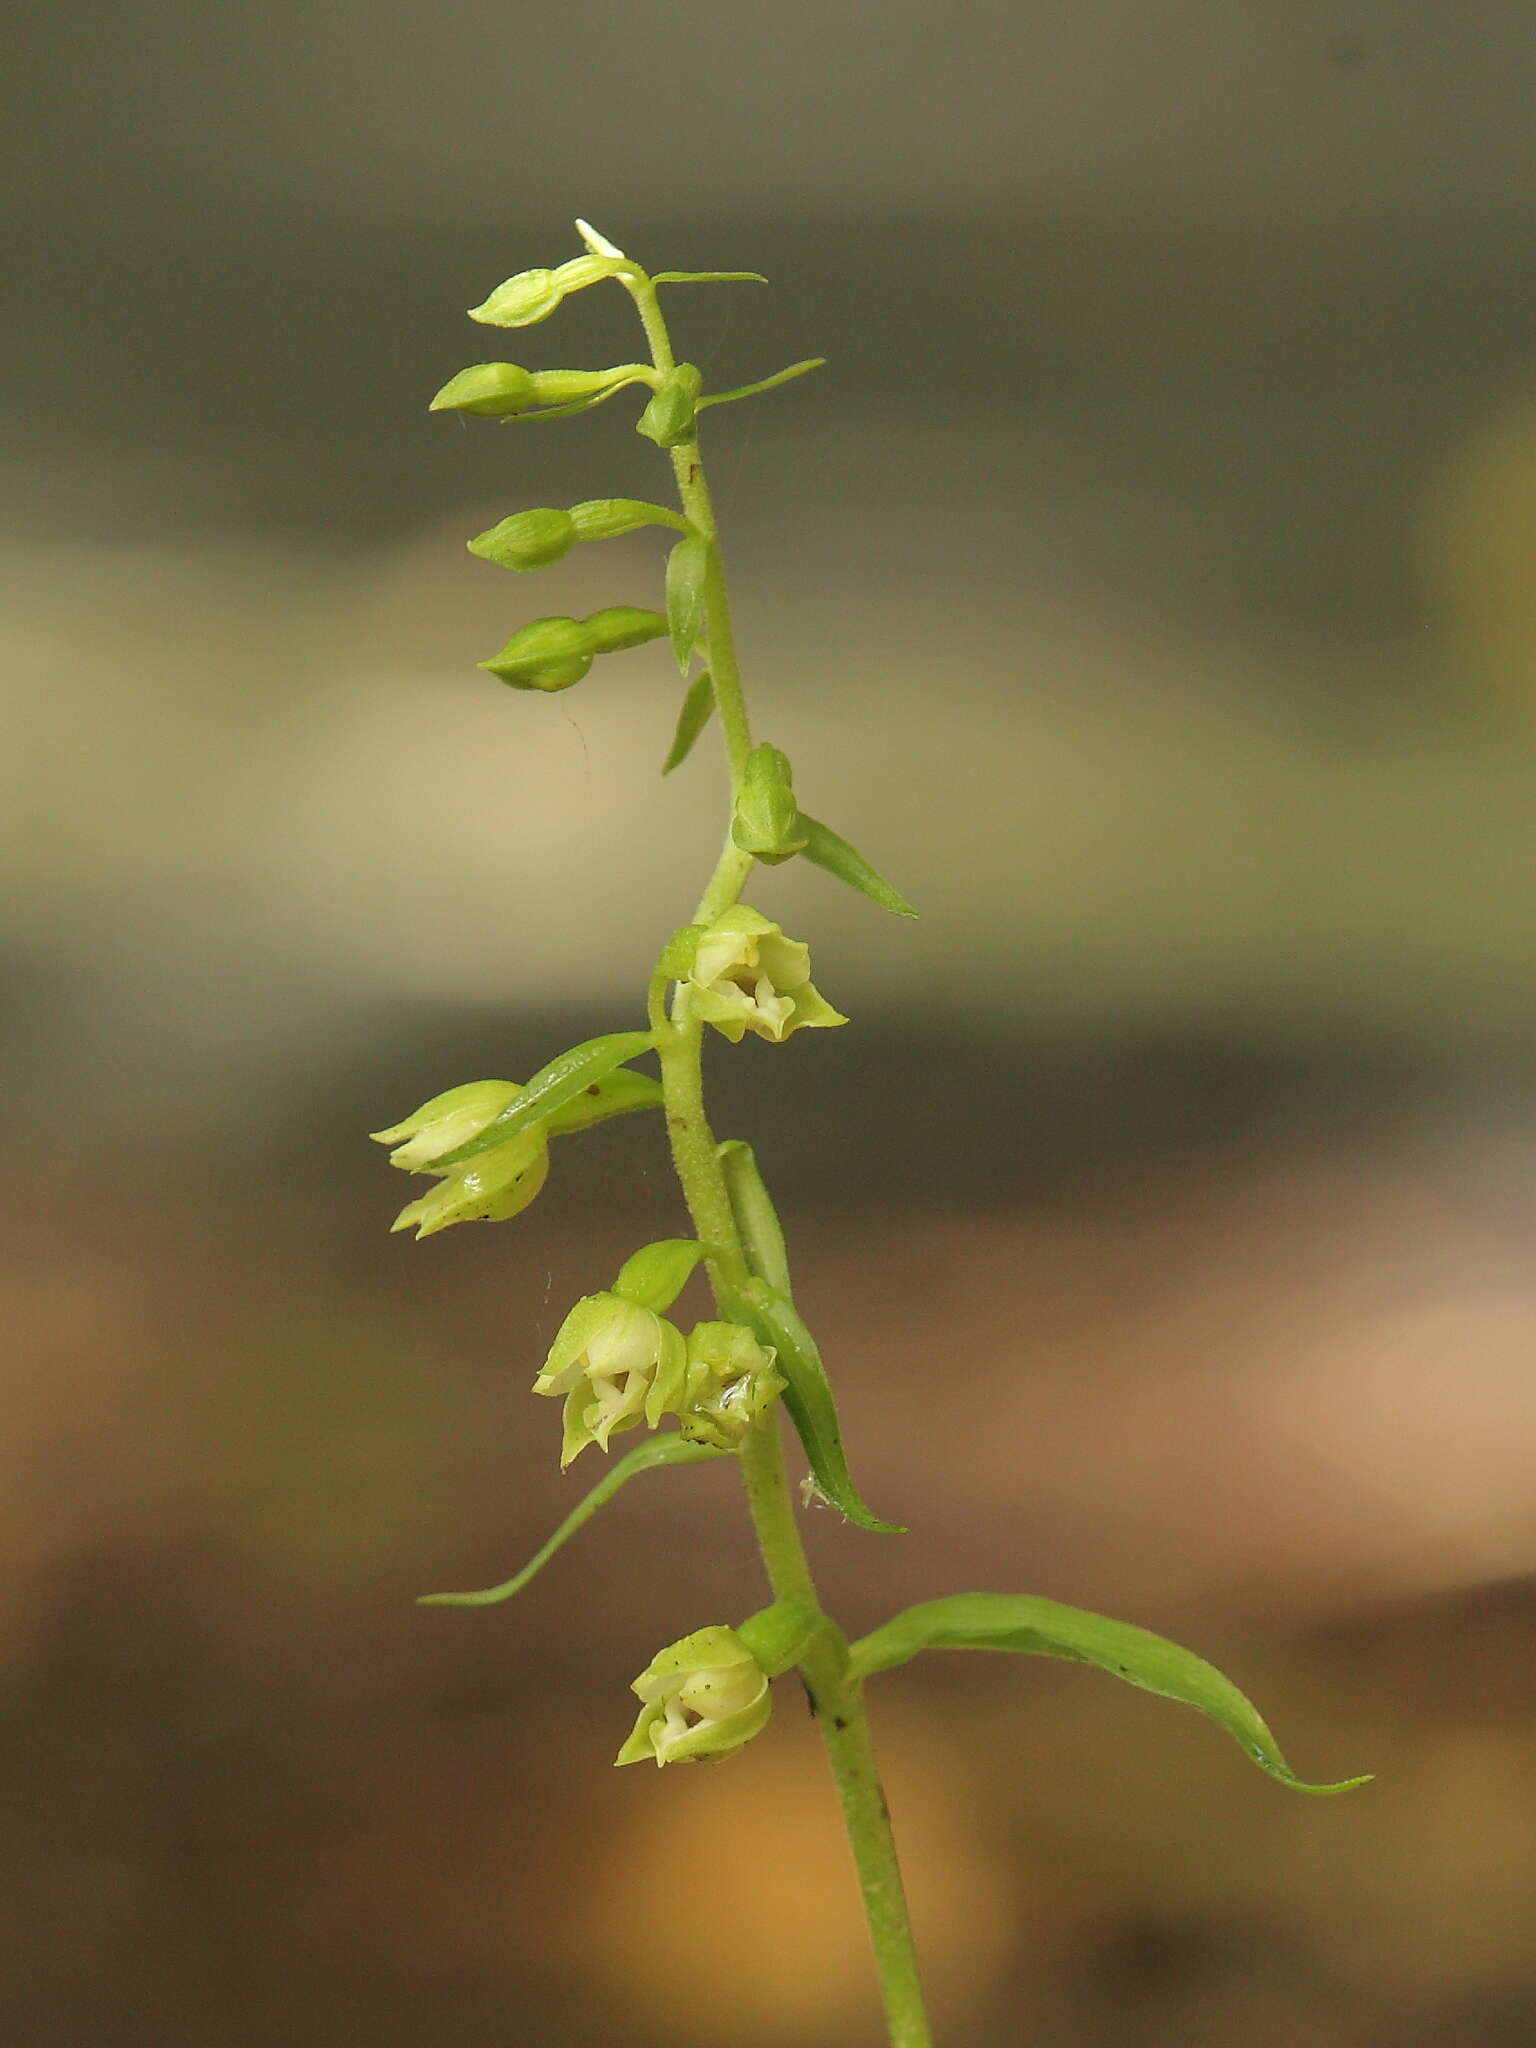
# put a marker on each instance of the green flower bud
(616, 1364)
(746, 976)
(701, 1697)
(546, 654)
(669, 417)
(496, 390)
(766, 822)
(528, 540)
(530, 296)
(730, 1383)
(534, 294)
(621, 626)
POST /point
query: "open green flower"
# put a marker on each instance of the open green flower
(492, 1186)
(701, 1697)
(746, 976)
(730, 1383)
(616, 1364)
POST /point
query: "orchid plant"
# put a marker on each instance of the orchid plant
(619, 1362)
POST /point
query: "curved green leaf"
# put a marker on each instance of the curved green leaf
(1045, 1628)
(698, 703)
(757, 1220)
(709, 277)
(762, 384)
(829, 851)
(657, 1450)
(551, 1088)
(808, 1397)
(687, 566)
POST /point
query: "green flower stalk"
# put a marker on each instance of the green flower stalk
(619, 1362)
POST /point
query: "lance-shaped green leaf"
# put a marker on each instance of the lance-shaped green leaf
(655, 1451)
(615, 1094)
(687, 568)
(827, 850)
(762, 384)
(698, 703)
(757, 1220)
(808, 1397)
(1045, 1628)
(552, 1087)
(709, 277)
(656, 1275)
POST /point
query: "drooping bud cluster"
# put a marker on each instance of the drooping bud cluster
(701, 1697)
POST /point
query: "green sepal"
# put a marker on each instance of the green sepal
(827, 850)
(492, 390)
(762, 384)
(779, 1636)
(757, 1220)
(1045, 1628)
(694, 714)
(656, 1275)
(655, 1451)
(616, 1094)
(766, 821)
(669, 1383)
(552, 1087)
(808, 1397)
(527, 540)
(687, 568)
(606, 518)
(668, 418)
(709, 277)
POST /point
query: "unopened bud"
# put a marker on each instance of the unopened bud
(495, 390)
(766, 822)
(528, 540)
(669, 417)
(546, 654)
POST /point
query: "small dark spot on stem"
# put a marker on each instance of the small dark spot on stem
(693, 472)
(810, 1697)
(839, 1723)
(680, 1122)
(594, 1087)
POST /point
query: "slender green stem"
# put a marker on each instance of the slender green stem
(835, 1697)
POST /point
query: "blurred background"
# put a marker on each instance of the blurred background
(1147, 585)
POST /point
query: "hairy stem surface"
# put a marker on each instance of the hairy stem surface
(835, 1697)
